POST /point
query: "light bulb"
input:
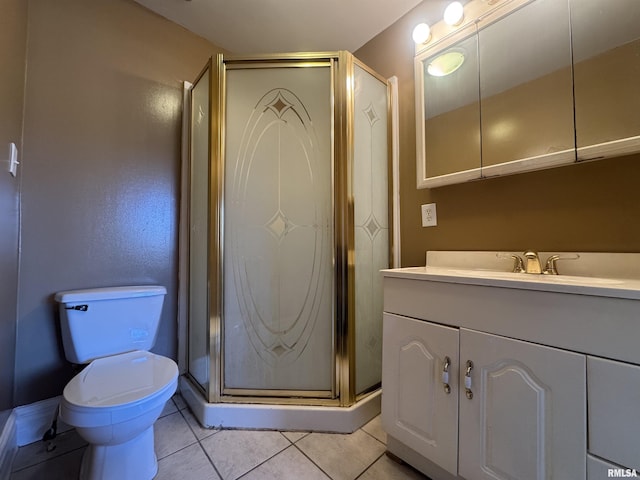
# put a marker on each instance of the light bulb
(421, 33)
(454, 14)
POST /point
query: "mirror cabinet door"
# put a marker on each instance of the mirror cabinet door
(606, 52)
(526, 89)
(449, 114)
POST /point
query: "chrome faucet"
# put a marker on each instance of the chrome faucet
(532, 262)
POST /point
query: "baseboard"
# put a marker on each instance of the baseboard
(33, 420)
(8, 445)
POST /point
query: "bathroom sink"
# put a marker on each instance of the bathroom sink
(596, 274)
(525, 277)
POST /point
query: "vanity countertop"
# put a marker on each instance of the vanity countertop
(591, 307)
(628, 288)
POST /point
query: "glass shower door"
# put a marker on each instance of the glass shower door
(278, 286)
(371, 222)
(198, 356)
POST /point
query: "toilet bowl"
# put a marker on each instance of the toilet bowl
(113, 403)
(115, 400)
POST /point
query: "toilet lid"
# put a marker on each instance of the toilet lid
(120, 379)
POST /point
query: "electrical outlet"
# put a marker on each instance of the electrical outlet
(429, 217)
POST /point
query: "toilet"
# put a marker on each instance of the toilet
(115, 400)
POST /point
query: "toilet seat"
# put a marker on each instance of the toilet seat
(118, 388)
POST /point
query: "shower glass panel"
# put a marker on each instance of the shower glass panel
(278, 318)
(289, 227)
(371, 222)
(198, 240)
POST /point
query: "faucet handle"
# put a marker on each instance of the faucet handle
(518, 263)
(551, 268)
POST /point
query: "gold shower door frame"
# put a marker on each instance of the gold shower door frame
(342, 65)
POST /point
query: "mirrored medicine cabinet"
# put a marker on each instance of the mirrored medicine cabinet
(527, 85)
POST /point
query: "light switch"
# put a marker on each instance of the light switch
(13, 159)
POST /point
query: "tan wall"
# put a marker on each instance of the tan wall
(584, 207)
(13, 41)
(100, 188)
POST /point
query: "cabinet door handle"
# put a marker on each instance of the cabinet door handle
(467, 380)
(445, 375)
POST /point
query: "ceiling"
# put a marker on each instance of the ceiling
(270, 26)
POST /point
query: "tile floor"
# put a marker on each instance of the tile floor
(186, 451)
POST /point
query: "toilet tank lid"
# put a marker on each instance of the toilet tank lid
(109, 293)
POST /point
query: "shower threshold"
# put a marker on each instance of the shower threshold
(280, 417)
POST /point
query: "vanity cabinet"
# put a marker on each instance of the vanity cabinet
(510, 413)
(614, 411)
(525, 415)
(417, 407)
(553, 387)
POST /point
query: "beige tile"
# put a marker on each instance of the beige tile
(171, 433)
(374, 427)
(37, 452)
(199, 431)
(295, 436)
(179, 401)
(330, 451)
(235, 452)
(389, 470)
(169, 408)
(190, 463)
(63, 467)
(289, 464)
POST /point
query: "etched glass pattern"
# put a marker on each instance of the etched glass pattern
(278, 233)
(371, 223)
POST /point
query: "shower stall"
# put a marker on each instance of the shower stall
(289, 224)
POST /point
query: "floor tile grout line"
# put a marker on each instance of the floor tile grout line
(213, 430)
(179, 450)
(363, 471)
(371, 465)
(210, 459)
(48, 459)
(374, 437)
(197, 439)
(215, 469)
(306, 434)
(272, 456)
(247, 472)
(311, 460)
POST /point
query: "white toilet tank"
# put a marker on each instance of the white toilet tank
(99, 322)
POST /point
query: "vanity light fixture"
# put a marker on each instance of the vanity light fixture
(421, 33)
(446, 64)
(454, 14)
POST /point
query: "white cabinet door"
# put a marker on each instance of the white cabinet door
(416, 408)
(614, 395)
(526, 419)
